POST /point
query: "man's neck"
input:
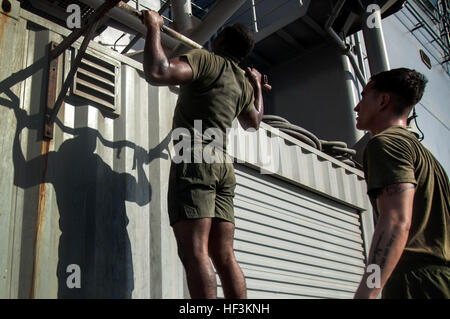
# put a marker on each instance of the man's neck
(385, 125)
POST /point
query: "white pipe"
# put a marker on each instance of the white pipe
(213, 20)
(182, 15)
(255, 21)
(375, 44)
(131, 22)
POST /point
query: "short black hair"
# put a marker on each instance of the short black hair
(406, 86)
(238, 40)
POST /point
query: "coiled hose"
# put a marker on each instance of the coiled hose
(336, 149)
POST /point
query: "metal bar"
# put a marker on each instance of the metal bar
(97, 14)
(126, 7)
(196, 6)
(139, 36)
(359, 54)
(418, 26)
(51, 91)
(431, 15)
(165, 6)
(174, 34)
(431, 32)
(132, 43)
(118, 39)
(185, 40)
(170, 32)
(334, 14)
(51, 119)
(329, 28)
(355, 66)
(255, 21)
(132, 21)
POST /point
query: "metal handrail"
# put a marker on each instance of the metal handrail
(436, 38)
(436, 16)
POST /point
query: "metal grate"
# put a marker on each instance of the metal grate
(97, 80)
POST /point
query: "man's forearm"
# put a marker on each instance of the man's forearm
(259, 103)
(388, 243)
(155, 59)
(395, 204)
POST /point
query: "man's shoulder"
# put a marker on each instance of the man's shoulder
(394, 142)
(393, 135)
(202, 54)
(197, 52)
(380, 140)
(394, 132)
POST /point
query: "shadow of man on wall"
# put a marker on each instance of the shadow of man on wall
(91, 198)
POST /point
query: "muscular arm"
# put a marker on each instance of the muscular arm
(254, 116)
(158, 69)
(395, 204)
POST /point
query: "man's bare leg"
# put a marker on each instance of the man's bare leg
(192, 238)
(221, 252)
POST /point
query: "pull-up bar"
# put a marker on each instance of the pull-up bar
(174, 34)
(169, 31)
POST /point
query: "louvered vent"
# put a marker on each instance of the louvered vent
(97, 80)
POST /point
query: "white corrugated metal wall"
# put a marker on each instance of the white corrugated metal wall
(292, 243)
(303, 222)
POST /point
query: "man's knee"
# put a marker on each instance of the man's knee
(221, 243)
(222, 258)
(189, 254)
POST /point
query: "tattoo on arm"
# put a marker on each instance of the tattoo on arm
(382, 252)
(377, 249)
(387, 250)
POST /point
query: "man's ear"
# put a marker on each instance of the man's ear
(385, 100)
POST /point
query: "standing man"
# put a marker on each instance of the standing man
(409, 191)
(213, 90)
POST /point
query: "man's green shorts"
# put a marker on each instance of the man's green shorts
(201, 190)
(425, 279)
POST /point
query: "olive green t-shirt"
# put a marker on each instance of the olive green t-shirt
(218, 93)
(396, 156)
